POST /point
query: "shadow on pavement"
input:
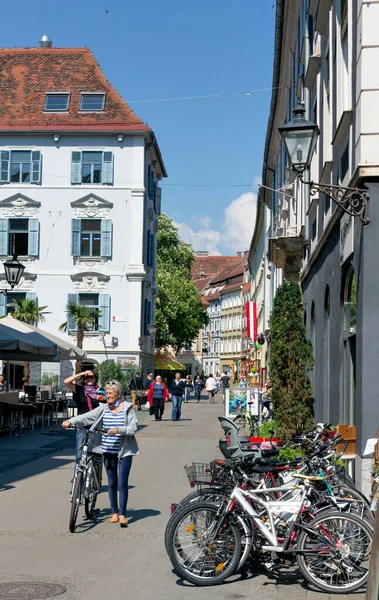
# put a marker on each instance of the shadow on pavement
(141, 513)
(38, 466)
(102, 515)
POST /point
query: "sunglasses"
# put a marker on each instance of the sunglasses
(111, 383)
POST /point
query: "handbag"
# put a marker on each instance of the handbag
(139, 393)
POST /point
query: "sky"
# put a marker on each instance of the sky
(149, 50)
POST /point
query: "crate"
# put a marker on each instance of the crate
(349, 434)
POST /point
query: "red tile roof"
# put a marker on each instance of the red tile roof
(26, 74)
(202, 283)
(232, 270)
(212, 265)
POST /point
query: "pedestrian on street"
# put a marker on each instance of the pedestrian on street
(157, 396)
(188, 388)
(118, 445)
(86, 397)
(225, 382)
(149, 381)
(136, 390)
(177, 388)
(243, 382)
(218, 384)
(198, 385)
(210, 386)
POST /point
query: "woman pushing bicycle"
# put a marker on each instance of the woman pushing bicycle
(118, 445)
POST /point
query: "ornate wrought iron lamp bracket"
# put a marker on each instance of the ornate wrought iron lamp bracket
(353, 201)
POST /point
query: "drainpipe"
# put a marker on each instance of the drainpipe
(306, 188)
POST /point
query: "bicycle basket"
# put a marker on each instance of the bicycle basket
(198, 473)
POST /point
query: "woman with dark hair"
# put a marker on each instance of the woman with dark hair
(86, 397)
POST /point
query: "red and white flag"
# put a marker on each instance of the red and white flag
(251, 320)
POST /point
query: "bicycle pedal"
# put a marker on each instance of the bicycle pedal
(270, 565)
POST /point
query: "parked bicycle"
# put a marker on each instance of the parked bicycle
(259, 507)
(86, 484)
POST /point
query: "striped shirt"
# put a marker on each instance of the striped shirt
(111, 444)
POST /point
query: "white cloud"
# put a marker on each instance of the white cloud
(236, 230)
(203, 239)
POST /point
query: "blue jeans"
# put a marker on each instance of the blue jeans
(79, 443)
(176, 407)
(118, 477)
(187, 393)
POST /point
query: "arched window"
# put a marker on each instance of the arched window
(326, 407)
(349, 346)
(313, 340)
(350, 300)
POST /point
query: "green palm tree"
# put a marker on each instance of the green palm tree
(27, 311)
(85, 318)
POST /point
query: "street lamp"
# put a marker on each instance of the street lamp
(165, 336)
(13, 271)
(152, 328)
(300, 137)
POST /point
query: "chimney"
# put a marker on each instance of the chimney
(239, 254)
(202, 253)
(246, 253)
(45, 42)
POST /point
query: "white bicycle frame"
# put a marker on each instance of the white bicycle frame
(272, 507)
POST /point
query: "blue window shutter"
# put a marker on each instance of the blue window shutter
(152, 244)
(36, 166)
(148, 248)
(147, 316)
(105, 312)
(76, 167)
(107, 170)
(4, 237)
(31, 296)
(75, 237)
(150, 258)
(71, 323)
(33, 237)
(106, 238)
(158, 200)
(148, 180)
(3, 305)
(5, 166)
(152, 185)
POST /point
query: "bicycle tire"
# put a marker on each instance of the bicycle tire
(75, 501)
(206, 494)
(309, 572)
(90, 502)
(357, 495)
(233, 545)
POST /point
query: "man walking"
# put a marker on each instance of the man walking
(225, 381)
(210, 386)
(136, 390)
(177, 387)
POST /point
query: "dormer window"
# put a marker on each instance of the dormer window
(92, 102)
(57, 102)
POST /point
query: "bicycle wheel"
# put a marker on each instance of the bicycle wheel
(192, 554)
(361, 506)
(75, 501)
(336, 555)
(204, 494)
(91, 495)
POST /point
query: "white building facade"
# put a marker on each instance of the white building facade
(326, 56)
(79, 202)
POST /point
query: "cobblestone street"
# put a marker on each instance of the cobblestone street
(101, 560)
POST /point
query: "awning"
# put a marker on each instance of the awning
(165, 363)
(21, 341)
